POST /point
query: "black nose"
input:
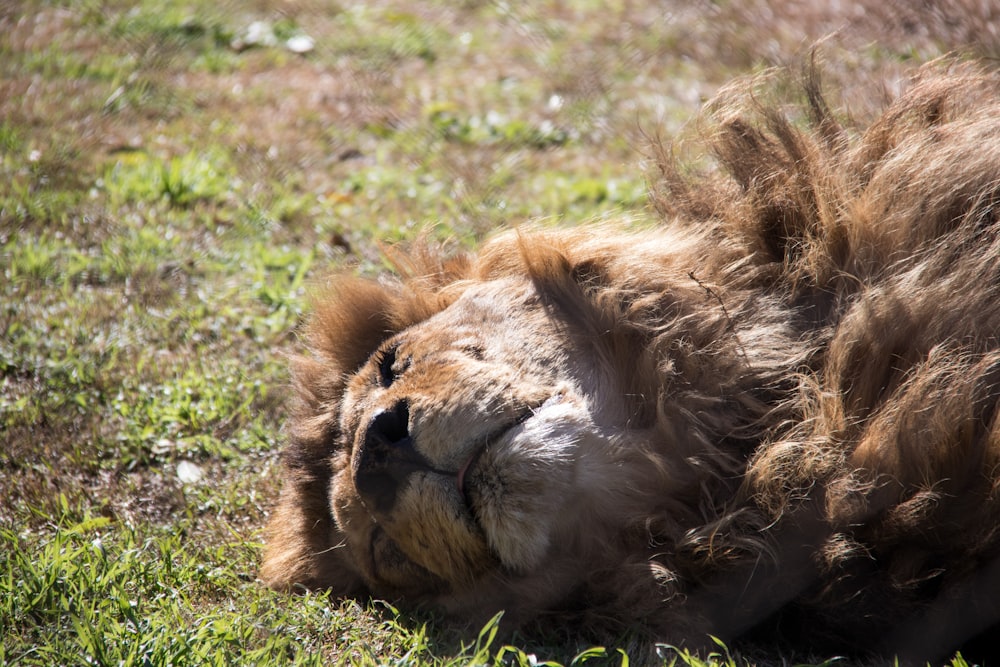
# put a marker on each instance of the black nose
(390, 426)
(386, 458)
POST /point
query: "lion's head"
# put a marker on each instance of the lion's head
(495, 437)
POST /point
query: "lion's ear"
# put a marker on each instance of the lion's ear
(305, 549)
(353, 316)
(349, 320)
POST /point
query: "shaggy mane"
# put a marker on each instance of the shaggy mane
(816, 323)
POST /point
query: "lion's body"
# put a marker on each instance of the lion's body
(783, 399)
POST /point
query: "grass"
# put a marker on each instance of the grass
(169, 189)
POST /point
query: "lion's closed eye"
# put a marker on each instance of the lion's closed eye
(388, 365)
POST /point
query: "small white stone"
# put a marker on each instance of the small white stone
(300, 44)
(188, 472)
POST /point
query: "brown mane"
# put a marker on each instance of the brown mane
(814, 327)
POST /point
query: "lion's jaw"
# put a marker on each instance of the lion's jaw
(469, 441)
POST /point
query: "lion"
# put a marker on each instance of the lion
(771, 414)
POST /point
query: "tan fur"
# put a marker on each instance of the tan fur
(773, 415)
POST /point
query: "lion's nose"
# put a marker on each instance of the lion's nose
(386, 458)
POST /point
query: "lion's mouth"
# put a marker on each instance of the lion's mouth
(526, 413)
(463, 471)
(462, 476)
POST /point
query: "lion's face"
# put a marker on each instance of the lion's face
(465, 439)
